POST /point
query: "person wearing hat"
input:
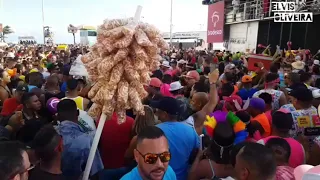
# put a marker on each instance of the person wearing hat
(247, 90)
(165, 66)
(231, 68)
(53, 68)
(304, 114)
(298, 65)
(176, 89)
(281, 126)
(153, 90)
(14, 104)
(175, 69)
(192, 77)
(281, 150)
(256, 110)
(182, 139)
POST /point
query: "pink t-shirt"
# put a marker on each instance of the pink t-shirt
(297, 156)
(164, 90)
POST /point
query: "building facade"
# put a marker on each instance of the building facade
(249, 23)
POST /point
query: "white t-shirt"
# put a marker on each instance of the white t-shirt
(86, 120)
(276, 94)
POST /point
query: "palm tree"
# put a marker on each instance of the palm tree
(6, 30)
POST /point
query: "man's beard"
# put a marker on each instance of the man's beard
(147, 175)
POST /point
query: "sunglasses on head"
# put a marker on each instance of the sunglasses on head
(151, 158)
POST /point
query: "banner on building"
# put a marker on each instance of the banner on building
(215, 22)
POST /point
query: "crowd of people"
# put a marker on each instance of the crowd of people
(206, 117)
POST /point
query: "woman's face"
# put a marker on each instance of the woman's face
(6, 77)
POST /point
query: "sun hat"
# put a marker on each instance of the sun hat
(307, 172)
(193, 75)
(166, 64)
(175, 86)
(298, 65)
(246, 79)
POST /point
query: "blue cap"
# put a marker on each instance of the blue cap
(167, 104)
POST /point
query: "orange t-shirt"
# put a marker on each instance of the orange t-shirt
(263, 120)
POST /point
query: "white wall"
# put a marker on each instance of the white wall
(246, 33)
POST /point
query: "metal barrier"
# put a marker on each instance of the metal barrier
(259, 10)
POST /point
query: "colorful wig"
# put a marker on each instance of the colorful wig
(239, 127)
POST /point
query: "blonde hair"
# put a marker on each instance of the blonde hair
(143, 121)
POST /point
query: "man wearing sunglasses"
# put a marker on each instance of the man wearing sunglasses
(182, 138)
(152, 155)
(14, 161)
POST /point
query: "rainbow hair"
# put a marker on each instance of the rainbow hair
(239, 127)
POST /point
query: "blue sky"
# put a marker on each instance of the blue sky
(25, 16)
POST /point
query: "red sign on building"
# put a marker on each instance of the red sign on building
(215, 22)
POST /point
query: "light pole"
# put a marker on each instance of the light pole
(44, 37)
(171, 24)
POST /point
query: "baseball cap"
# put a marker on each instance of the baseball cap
(22, 88)
(52, 66)
(193, 75)
(316, 62)
(155, 82)
(167, 104)
(282, 119)
(301, 94)
(257, 103)
(246, 79)
(229, 66)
